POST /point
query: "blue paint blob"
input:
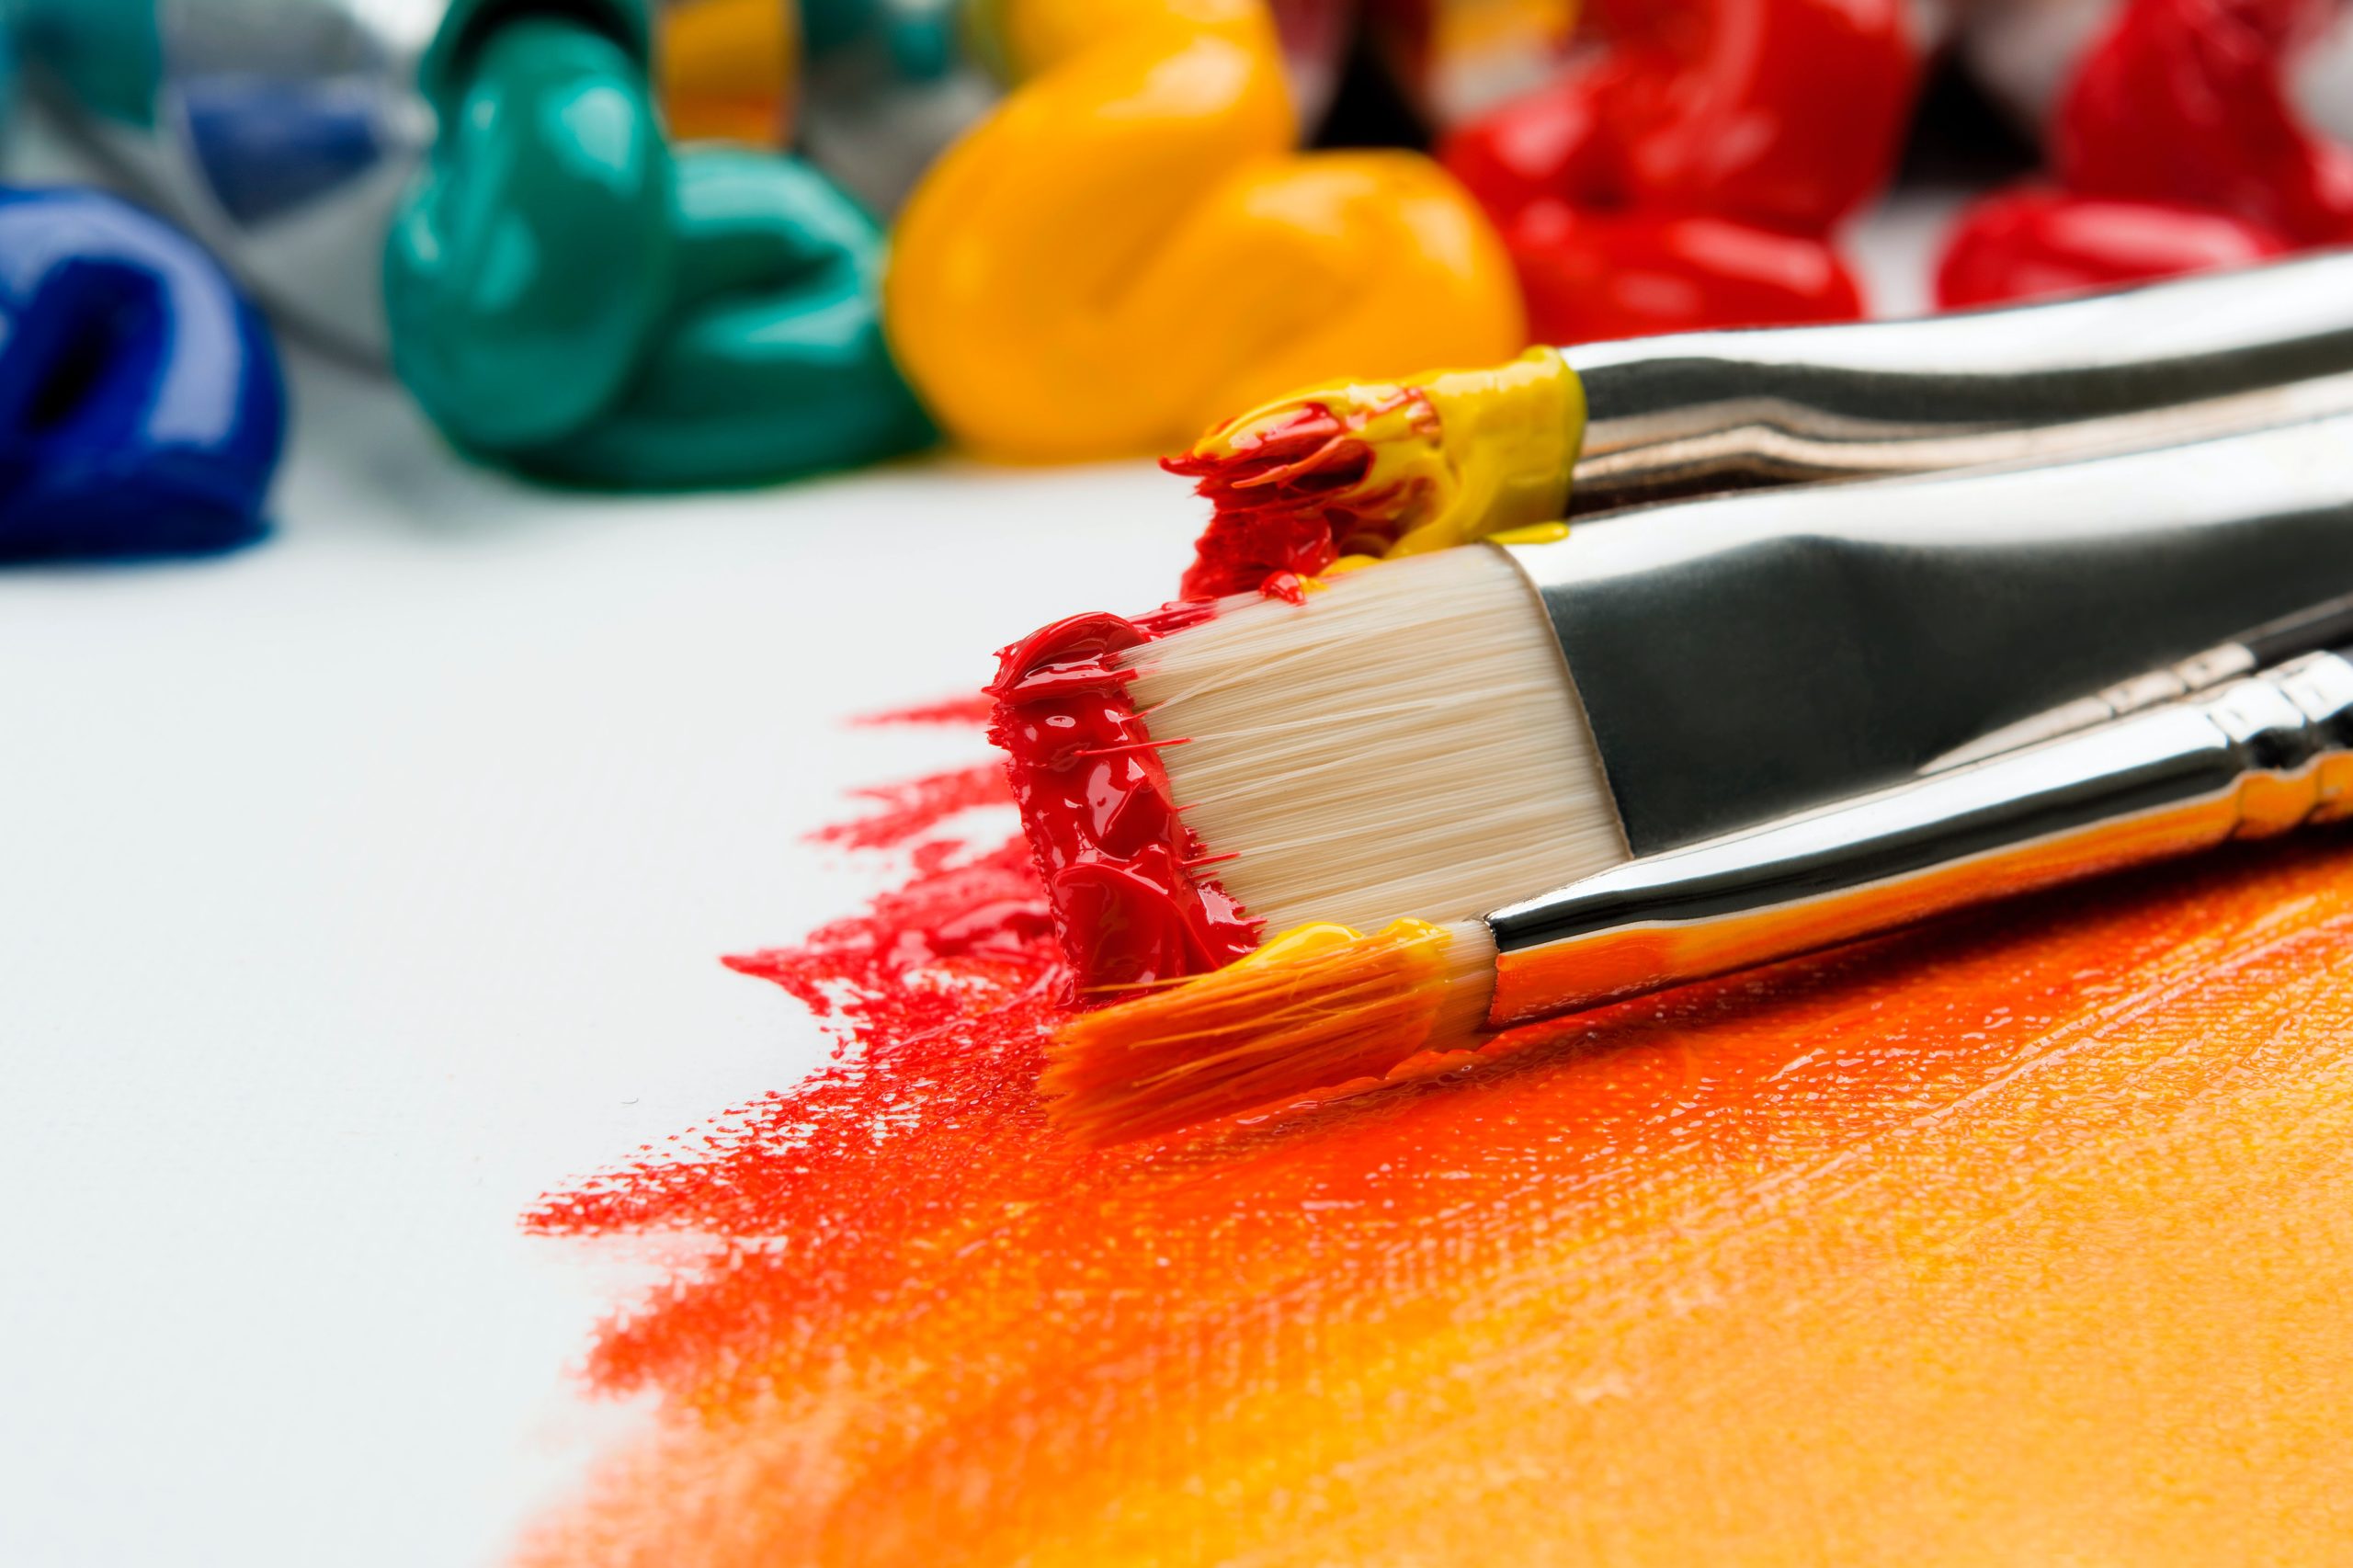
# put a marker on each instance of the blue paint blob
(142, 406)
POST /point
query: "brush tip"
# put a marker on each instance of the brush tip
(1382, 468)
(1314, 1008)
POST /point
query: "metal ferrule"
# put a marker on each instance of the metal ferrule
(2253, 758)
(2167, 362)
(1743, 658)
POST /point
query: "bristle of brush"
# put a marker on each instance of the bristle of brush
(1316, 1008)
(1407, 742)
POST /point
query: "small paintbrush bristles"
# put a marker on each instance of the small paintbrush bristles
(1314, 1009)
(1407, 742)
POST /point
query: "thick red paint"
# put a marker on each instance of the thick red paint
(1119, 867)
(1688, 174)
(1289, 499)
(2028, 243)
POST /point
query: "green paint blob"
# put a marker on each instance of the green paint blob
(570, 296)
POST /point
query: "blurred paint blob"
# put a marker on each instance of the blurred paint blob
(571, 295)
(2176, 142)
(891, 83)
(1689, 172)
(142, 410)
(1127, 250)
(1456, 59)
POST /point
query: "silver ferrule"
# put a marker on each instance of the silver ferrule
(1745, 658)
(2253, 758)
(2166, 362)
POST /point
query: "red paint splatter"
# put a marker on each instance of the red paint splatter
(941, 996)
(917, 807)
(1119, 867)
(973, 709)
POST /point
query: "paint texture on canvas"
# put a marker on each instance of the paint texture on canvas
(2026, 1237)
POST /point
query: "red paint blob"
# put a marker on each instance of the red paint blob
(2177, 149)
(1288, 499)
(2026, 244)
(1688, 175)
(1592, 276)
(1115, 861)
(2189, 101)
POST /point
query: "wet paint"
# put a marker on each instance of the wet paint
(1133, 896)
(2023, 1237)
(1358, 471)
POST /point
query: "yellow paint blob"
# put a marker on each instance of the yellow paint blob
(1127, 246)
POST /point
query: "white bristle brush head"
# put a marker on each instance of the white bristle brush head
(1407, 742)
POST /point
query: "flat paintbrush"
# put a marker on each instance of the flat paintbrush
(1365, 471)
(1324, 1005)
(1442, 735)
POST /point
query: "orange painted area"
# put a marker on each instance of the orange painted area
(1128, 247)
(2025, 1238)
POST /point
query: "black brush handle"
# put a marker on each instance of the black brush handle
(2164, 362)
(1748, 656)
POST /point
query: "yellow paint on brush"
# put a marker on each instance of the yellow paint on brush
(1448, 458)
(1538, 533)
(1127, 247)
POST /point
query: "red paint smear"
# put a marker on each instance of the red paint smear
(941, 994)
(917, 807)
(971, 709)
(1117, 863)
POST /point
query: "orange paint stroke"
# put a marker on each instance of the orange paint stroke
(2022, 1238)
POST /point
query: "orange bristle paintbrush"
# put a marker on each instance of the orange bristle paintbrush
(1440, 736)
(1324, 1006)
(1365, 471)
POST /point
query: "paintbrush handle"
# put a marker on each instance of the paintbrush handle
(2253, 758)
(1745, 658)
(2166, 362)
